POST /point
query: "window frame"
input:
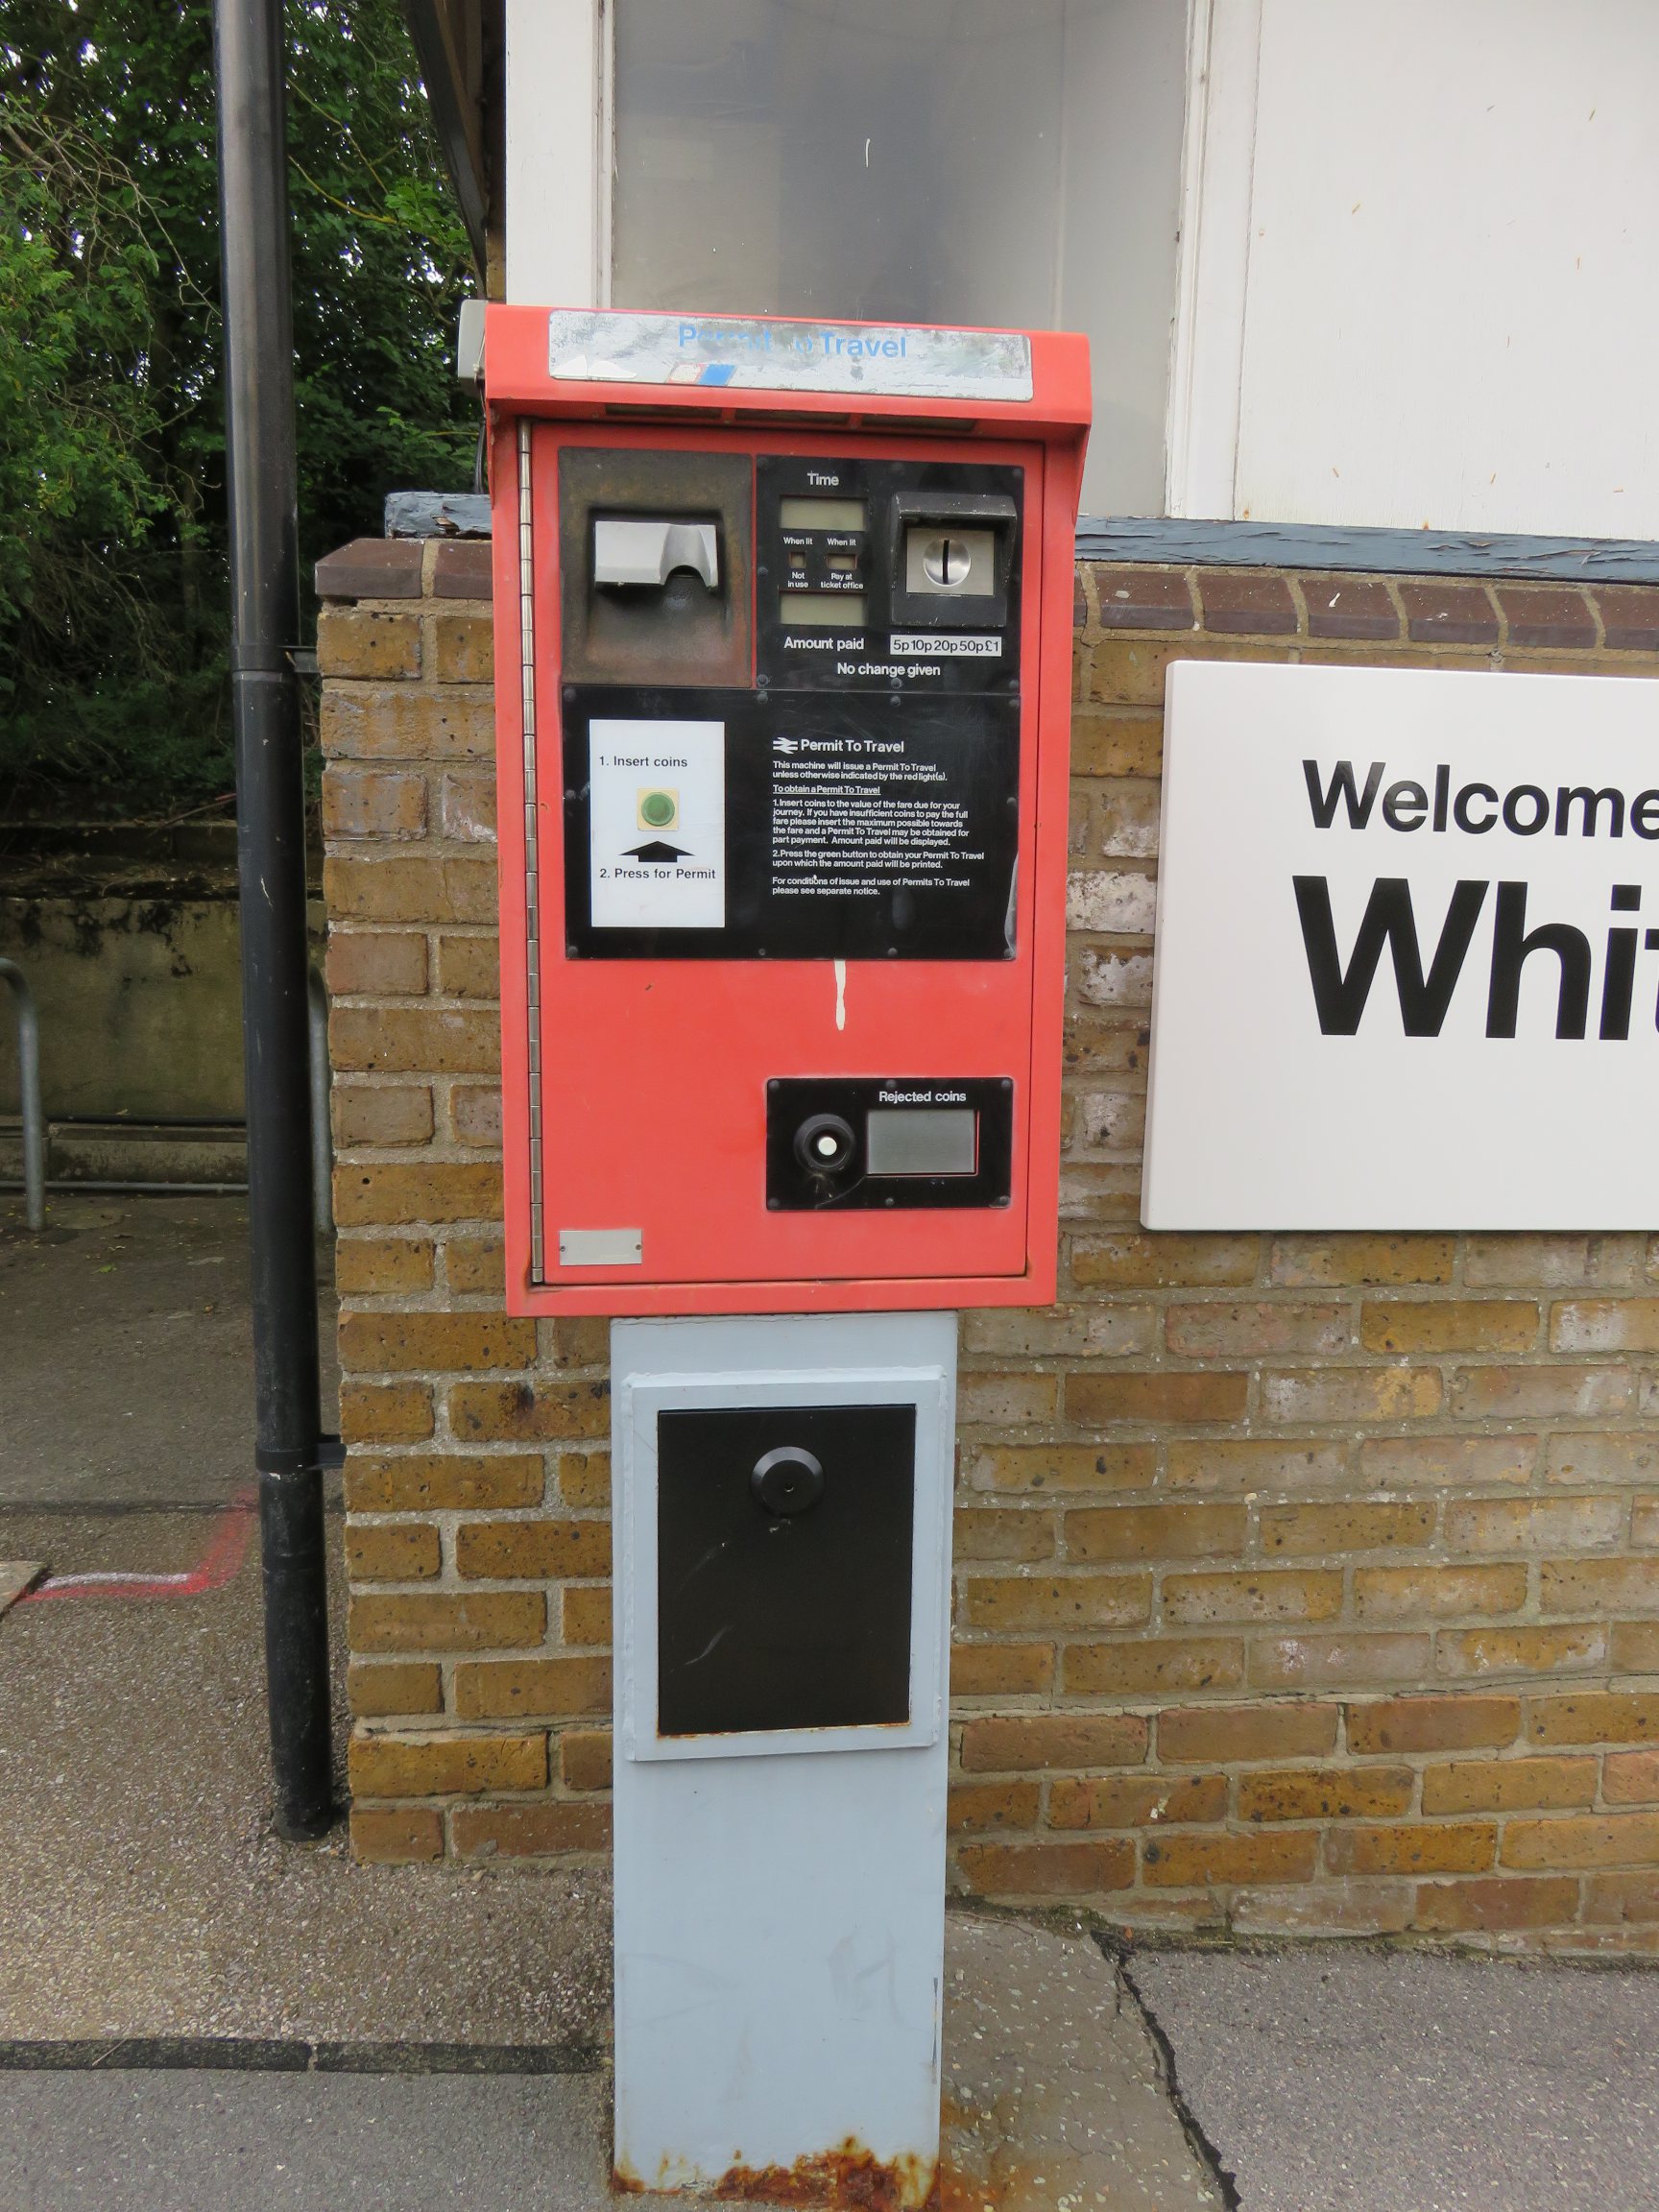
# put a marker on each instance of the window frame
(560, 149)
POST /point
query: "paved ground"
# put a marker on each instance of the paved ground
(1053, 2099)
(126, 1334)
(1054, 2090)
(1341, 2079)
(300, 2143)
(144, 1895)
(144, 1892)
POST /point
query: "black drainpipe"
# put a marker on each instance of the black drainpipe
(271, 859)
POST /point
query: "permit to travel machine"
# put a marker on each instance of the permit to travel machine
(783, 617)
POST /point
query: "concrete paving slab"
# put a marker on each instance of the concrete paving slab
(127, 1375)
(1334, 2077)
(145, 1892)
(1054, 2092)
(301, 2143)
(1053, 2102)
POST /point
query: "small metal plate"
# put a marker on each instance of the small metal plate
(601, 1247)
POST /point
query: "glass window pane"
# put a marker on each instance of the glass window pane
(1011, 163)
(878, 160)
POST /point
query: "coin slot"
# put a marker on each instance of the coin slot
(950, 563)
(953, 562)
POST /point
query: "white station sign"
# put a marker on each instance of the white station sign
(1407, 973)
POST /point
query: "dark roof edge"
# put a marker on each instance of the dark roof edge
(1131, 539)
(450, 100)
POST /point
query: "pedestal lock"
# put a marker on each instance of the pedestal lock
(825, 1144)
(788, 1481)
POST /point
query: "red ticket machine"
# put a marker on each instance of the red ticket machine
(783, 650)
(783, 645)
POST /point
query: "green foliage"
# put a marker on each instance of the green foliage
(114, 608)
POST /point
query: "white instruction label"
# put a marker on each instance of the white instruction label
(944, 644)
(656, 825)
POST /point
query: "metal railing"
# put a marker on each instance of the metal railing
(29, 1091)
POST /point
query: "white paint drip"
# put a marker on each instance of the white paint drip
(94, 1577)
(840, 993)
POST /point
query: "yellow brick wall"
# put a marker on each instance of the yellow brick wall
(1303, 1582)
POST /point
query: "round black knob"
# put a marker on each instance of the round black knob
(823, 1143)
(788, 1481)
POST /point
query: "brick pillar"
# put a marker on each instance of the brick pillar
(478, 1540)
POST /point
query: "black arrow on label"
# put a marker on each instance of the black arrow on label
(657, 850)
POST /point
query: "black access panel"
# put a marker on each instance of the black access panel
(784, 1537)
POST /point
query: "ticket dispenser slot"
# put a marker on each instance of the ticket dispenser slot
(655, 562)
(646, 552)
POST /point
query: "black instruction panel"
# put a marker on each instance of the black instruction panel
(844, 608)
(848, 830)
(862, 800)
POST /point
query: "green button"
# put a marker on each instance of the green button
(657, 809)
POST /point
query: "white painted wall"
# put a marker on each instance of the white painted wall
(1417, 274)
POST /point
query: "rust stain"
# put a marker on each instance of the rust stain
(1011, 2185)
(848, 2179)
(957, 2192)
